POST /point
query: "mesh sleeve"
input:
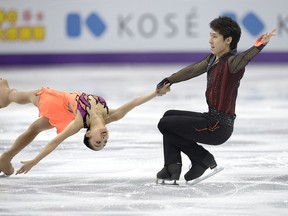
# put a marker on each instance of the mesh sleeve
(238, 62)
(190, 71)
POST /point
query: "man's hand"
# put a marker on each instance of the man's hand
(163, 89)
(164, 81)
(264, 39)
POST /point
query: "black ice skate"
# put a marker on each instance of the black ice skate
(198, 170)
(170, 173)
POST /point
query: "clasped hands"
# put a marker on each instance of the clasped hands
(163, 87)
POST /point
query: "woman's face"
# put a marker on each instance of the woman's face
(98, 138)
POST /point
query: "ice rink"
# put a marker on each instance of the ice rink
(120, 180)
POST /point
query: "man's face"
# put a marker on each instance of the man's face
(218, 45)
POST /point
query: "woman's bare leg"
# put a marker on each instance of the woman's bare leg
(4, 93)
(8, 95)
(21, 142)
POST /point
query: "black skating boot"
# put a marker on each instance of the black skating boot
(209, 161)
(170, 172)
(197, 170)
(164, 174)
(175, 170)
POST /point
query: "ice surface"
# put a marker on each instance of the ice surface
(119, 180)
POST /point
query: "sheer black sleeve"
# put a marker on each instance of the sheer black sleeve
(190, 71)
(238, 62)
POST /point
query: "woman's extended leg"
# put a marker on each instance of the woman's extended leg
(21, 142)
(8, 95)
(4, 93)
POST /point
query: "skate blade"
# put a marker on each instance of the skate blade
(3, 175)
(164, 182)
(205, 176)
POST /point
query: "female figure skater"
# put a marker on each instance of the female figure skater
(68, 112)
(182, 130)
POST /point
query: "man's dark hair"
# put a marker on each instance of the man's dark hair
(228, 28)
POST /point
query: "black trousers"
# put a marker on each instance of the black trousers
(182, 130)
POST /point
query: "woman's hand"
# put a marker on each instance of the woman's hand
(27, 165)
(163, 89)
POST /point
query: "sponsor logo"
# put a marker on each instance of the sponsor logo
(93, 22)
(251, 22)
(19, 25)
(133, 25)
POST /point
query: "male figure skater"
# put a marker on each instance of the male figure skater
(183, 130)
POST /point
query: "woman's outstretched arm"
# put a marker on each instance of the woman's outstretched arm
(70, 130)
(120, 112)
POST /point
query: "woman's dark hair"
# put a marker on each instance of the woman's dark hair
(86, 140)
(228, 28)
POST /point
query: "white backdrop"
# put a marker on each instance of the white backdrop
(119, 26)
